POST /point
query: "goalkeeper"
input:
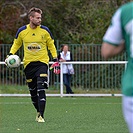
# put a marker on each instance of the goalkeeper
(35, 39)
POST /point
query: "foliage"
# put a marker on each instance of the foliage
(70, 21)
(5, 37)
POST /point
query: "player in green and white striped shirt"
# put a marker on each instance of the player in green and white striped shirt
(119, 37)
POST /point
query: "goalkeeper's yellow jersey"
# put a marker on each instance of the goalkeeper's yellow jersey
(35, 42)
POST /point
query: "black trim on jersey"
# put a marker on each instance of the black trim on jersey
(47, 29)
(19, 30)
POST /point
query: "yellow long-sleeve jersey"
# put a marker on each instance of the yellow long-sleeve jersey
(35, 42)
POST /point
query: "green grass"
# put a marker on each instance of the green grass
(23, 89)
(11, 89)
(63, 115)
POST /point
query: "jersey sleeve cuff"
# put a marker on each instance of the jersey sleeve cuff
(115, 44)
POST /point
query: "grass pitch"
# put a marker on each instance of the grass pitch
(63, 115)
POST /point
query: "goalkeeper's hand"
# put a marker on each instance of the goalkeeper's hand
(55, 66)
(55, 60)
(6, 59)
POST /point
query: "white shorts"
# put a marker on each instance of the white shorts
(127, 106)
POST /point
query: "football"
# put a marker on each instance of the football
(13, 61)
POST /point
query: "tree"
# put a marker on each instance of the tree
(70, 21)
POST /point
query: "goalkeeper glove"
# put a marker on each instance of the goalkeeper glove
(6, 59)
(55, 66)
(55, 60)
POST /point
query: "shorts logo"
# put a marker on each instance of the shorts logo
(34, 47)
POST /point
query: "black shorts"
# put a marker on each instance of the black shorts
(35, 70)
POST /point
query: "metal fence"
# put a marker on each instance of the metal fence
(87, 77)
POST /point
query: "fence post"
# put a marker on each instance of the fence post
(61, 80)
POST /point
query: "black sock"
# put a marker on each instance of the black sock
(34, 98)
(41, 101)
(35, 102)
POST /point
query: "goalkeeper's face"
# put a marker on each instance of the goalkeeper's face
(36, 19)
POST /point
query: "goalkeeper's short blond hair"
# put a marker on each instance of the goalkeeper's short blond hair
(33, 10)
